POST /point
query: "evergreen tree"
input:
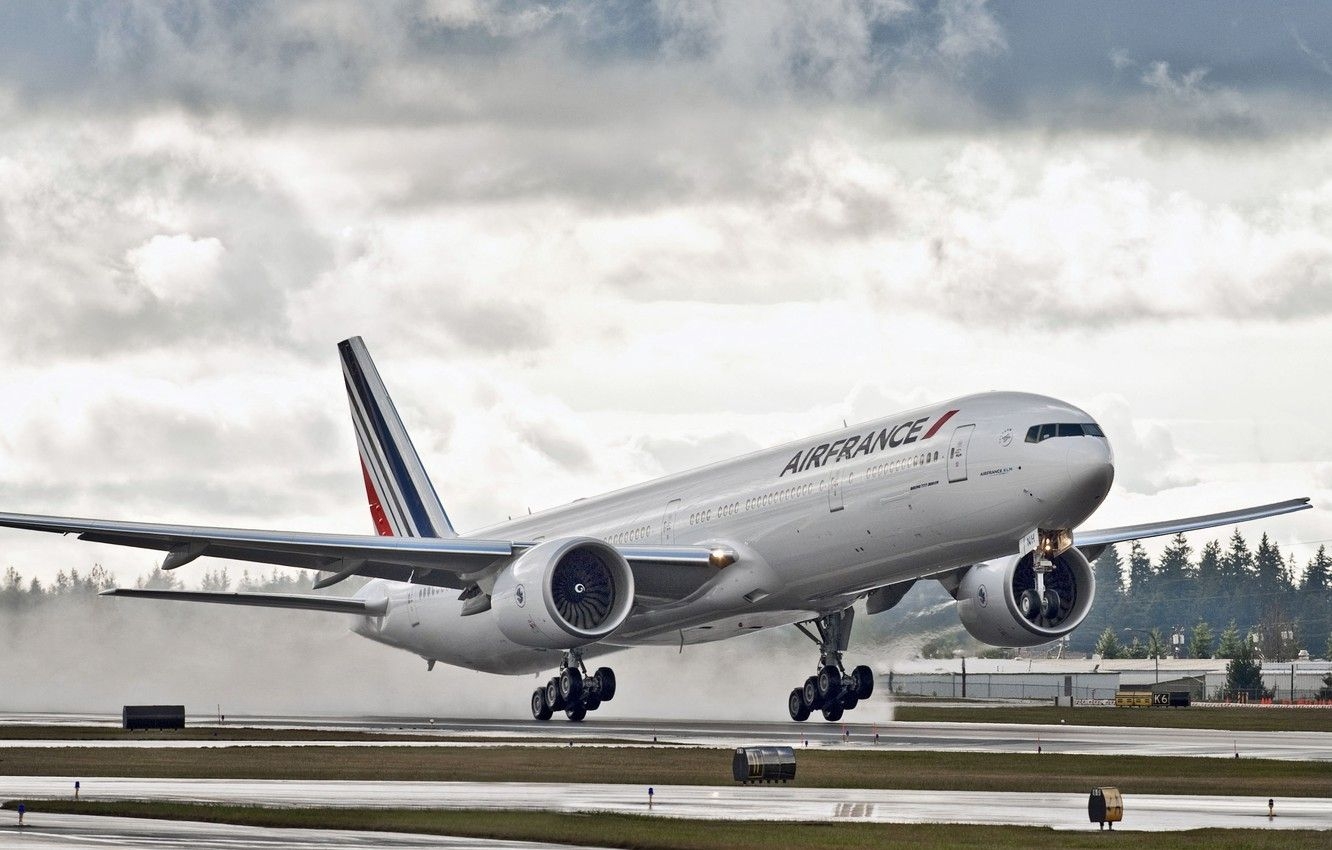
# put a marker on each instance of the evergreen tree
(1200, 641)
(1268, 566)
(1316, 573)
(1140, 571)
(1237, 565)
(1109, 571)
(1175, 568)
(1209, 572)
(1137, 649)
(1244, 675)
(1327, 653)
(1156, 647)
(1231, 644)
(1108, 645)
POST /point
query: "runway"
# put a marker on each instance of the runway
(52, 830)
(939, 737)
(1154, 812)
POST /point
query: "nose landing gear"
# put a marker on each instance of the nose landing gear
(831, 690)
(573, 691)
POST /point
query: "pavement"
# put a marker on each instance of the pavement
(52, 830)
(937, 737)
(1154, 812)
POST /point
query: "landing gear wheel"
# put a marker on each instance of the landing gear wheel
(1050, 604)
(540, 708)
(829, 684)
(571, 685)
(605, 679)
(811, 690)
(849, 700)
(576, 714)
(591, 703)
(864, 677)
(797, 706)
(832, 713)
(1029, 603)
(553, 697)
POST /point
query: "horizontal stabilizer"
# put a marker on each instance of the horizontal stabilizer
(334, 604)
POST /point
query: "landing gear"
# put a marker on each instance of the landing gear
(831, 691)
(573, 691)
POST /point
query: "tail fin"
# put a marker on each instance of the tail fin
(403, 502)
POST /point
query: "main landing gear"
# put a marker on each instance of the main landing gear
(573, 691)
(832, 690)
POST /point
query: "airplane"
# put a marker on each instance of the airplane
(983, 493)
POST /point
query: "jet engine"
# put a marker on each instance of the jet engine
(1007, 602)
(563, 593)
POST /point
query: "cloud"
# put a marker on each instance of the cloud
(177, 267)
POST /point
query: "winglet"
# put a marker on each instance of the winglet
(403, 502)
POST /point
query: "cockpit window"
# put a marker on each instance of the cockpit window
(1039, 433)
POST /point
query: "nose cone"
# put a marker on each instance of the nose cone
(1091, 471)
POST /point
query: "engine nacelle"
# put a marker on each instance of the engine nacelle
(999, 602)
(563, 593)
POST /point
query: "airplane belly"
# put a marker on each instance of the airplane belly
(435, 630)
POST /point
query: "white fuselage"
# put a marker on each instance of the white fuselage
(882, 502)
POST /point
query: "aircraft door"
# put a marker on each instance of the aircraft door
(957, 452)
(835, 492)
(668, 521)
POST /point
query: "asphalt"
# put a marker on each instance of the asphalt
(1153, 812)
(52, 830)
(938, 737)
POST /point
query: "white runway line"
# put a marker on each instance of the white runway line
(1154, 812)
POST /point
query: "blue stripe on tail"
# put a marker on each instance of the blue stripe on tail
(409, 494)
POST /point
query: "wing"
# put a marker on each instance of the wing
(665, 572)
(1092, 543)
(300, 602)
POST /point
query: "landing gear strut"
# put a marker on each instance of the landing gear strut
(831, 690)
(573, 691)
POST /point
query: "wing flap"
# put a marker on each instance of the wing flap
(302, 602)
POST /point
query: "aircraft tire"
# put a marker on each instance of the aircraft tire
(571, 685)
(540, 708)
(576, 713)
(591, 702)
(811, 690)
(553, 697)
(797, 706)
(864, 677)
(605, 678)
(830, 683)
(832, 713)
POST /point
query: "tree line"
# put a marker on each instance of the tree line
(18, 592)
(1228, 601)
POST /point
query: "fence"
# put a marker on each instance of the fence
(1026, 686)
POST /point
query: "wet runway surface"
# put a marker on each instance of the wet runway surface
(942, 737)
(51, 830)
(779, 803)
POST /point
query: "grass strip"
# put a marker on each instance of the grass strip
(1229, 719)
(829, 768)
(23, 732)
(643, 832)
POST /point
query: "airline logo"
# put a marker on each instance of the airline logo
(856, 445)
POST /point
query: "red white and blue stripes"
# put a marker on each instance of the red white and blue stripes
(403, 502)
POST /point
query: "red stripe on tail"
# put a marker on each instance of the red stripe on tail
(382, 527)
(937, 425)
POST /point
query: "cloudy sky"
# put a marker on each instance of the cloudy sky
(590, 243)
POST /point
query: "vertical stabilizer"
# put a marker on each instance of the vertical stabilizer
(402, 499)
